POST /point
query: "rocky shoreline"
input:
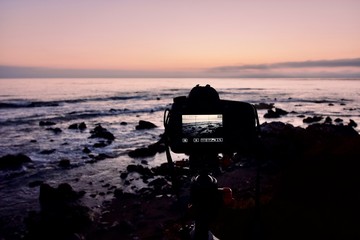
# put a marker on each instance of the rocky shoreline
(308, 181)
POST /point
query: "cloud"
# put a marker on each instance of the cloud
(338, 68)
(354, 62)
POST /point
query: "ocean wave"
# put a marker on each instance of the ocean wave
(24, 103)
(27, 104)
(78, 115)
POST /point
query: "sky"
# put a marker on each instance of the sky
(168, 38)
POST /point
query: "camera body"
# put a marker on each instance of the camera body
(204, 123)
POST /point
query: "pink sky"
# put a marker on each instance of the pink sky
(180, 37)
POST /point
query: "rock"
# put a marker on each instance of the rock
(100, 132)
(46, 123)
(278, 128)
(54, 130)
(328, 120)
(262, 106)
(142, 152)
(102, 156)
(148, 151)
(144, 171)
(118, 193)
(160, 185)
(13, 161)
(73, 126)
(49, 151)
(80, 126)
(326, 130)
(51, 197)
(124, 175)
(86, 150)
(61, 214)
(64, 163)
(352, 123)
(312, 119)
(275, 114)
(145, 125)
(338, 120)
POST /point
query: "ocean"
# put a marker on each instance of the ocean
(118, 105)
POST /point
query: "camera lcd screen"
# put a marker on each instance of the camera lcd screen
(202, 128)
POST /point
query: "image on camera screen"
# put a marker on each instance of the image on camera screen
(202, 128)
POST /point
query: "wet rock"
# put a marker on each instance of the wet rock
(352, 123)
(331, 131)
(86, 150)
(148, 151)
(64, 163)
(142, 152)
(160, 185)
(49, 151)
(144, 171)
(338, 120)
(262, 106)
(124, 175)
(118, 193)
(46, 123)
(51, 196)
(54, 130)
(275, 114)
(328, 120)
(73, 126)
(80, 126)
(280, 140)
(279, 128)
(100, 132)
(102, 156)
(145, 125)
(163, 169)
(11, 161)
(61, 214)
(312, 119)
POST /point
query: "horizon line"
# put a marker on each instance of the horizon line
(335, 68)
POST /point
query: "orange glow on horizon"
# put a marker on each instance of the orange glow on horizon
(160, 36)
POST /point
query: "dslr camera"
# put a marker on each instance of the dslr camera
(203, 123)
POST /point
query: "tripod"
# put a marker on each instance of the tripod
(205, 200)
(205, 197)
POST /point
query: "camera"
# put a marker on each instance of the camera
(203, 123)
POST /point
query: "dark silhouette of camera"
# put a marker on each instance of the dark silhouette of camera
(203, 123)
